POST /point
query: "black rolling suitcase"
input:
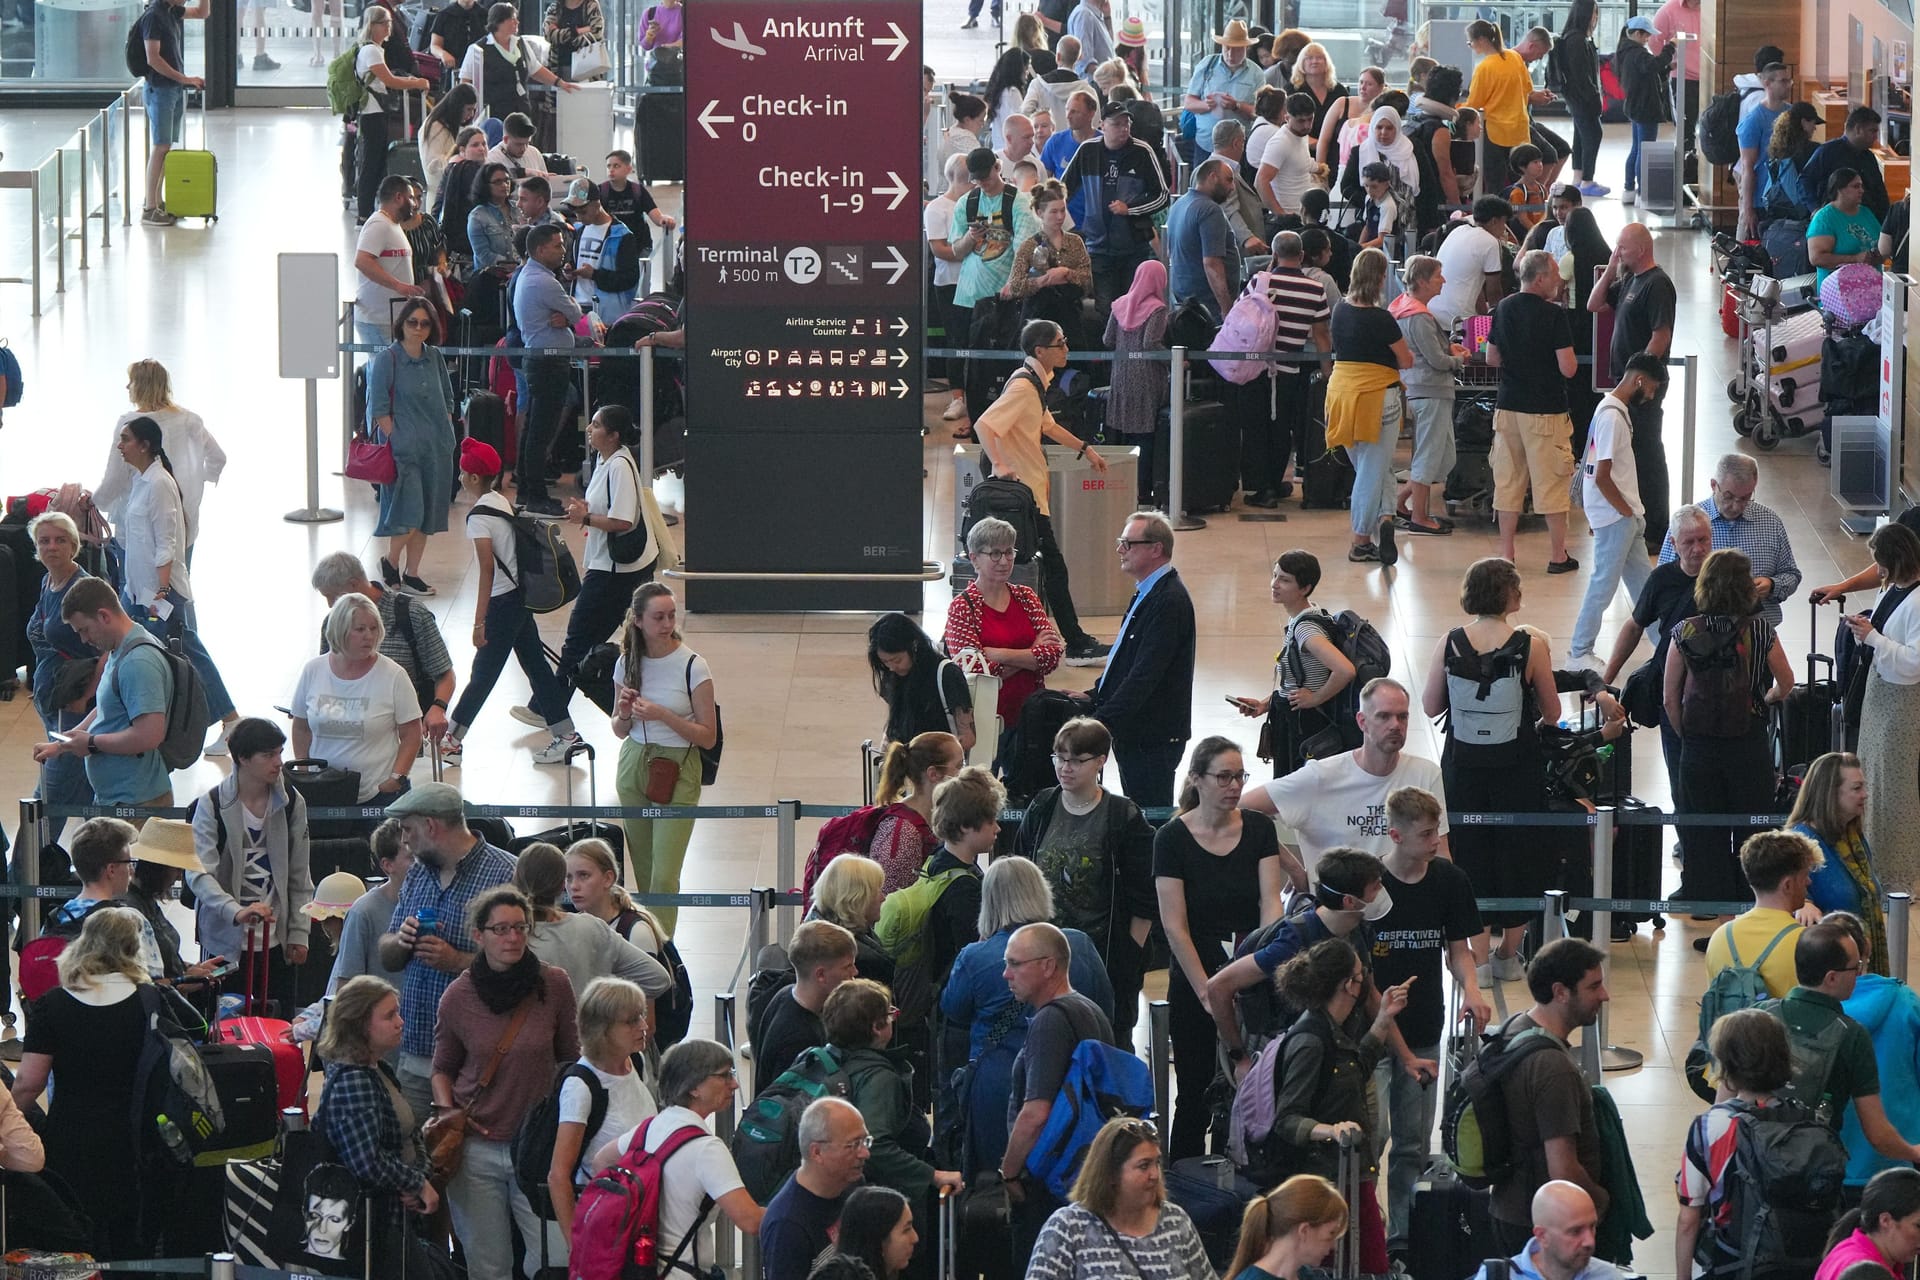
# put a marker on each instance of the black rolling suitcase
(1450, 1226)
(1195, 1185)
(1471, 481)
(662, 130)
(1811, 721)
(1326, 475)
(243, 1075)
(1212, 457)
(564, 836)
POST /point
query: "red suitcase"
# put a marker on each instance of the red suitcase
(273, 1034)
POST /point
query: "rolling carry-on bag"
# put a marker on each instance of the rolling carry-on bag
(1450, 1226)
(1214, 1196)
(192, 178)
(254, 1028)
(403, 153)
(1212, 458)
(1326, 475)
(563, 836)
(1811, 721)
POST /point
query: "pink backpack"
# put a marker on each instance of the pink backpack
(1248, 327)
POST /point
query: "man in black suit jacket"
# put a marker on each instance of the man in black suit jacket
(1145, 696)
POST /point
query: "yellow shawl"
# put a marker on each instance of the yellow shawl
(1356, 397)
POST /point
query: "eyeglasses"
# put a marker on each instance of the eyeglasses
(727, 1073)
(1017, 964)
(862, 1143)
(1121, 544)
(1077, 761)
(1004, 553)
(507, 930)
(123, 862)
(1227, 777)
(1050, 346)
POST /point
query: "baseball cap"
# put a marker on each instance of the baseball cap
(580, 193)
(980, 162)
(1642, 23)
(429, 799)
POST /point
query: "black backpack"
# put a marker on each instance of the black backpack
(1719, 132)
(1784, 1181)
(137, 47)
(1427, 205)
(187, 715)
(532, 1150)
(1716, 699)
(1012, 501)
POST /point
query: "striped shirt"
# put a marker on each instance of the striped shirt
(1077, 1244)
(1763, 536)
(1299, 303)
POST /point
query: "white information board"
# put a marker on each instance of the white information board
(310, 315)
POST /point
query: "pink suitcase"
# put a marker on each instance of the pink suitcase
(272, 1034)
(1794, 392)
(1796, 342)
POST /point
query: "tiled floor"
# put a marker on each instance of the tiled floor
(796, 688)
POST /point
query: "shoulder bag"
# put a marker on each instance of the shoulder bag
(446, 1130)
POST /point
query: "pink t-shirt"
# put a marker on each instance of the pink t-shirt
(1858, 1247)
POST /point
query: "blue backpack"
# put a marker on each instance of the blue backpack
(1102, 1082)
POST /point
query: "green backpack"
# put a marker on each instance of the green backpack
(345, 91)
(766, 1146)
(904, 933)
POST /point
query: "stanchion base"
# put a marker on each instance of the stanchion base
(1187, 522)
(1863, 525)
(1614, 1057)
(314, 515)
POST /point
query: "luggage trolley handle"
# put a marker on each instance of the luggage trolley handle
(945, 1267)
(1348, 1267)
(1814, 655)
(583, 748)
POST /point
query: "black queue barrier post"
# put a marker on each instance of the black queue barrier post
(1899, 907)
(724, 1121)
(1159, 1055)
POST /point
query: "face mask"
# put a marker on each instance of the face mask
(1378, 908)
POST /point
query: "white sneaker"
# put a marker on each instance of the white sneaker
(1509, 969)
(956, 410)
(218, 747)
(1589, 661)
(1483, 974)
(528, 716)
(555, 752)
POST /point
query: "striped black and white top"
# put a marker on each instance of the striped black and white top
(1076, 1244)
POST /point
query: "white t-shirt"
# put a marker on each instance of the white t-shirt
(506, 570)
(613, 491)
(587, 254)
(530, 161)
(356, 723)
(668, 682)
(369, 57)
(713, 1174)
(1293, 168)
(1467, 258)
(628, 1103)
(383, 238)
(1334, 803)
(939, 224)
(1609, 438)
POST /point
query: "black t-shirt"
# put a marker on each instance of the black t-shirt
(786, 1031)
(794, 1232)
(1365, 335)
(1223, 890)
(1894, 227)
(919, 703)
(1412, 940)
(631, 207)
(1530, 332)
(1664, 603)
(459, 27)
(166, 23)
(1641, 305)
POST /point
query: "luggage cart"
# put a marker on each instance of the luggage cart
(1469, 488)
(1776, 392)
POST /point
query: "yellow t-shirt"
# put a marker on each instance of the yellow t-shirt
(1501, 87)
(1751, 933)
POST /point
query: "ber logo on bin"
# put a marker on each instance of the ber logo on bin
(1091, 484)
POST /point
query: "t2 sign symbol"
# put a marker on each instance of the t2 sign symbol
(802, 266)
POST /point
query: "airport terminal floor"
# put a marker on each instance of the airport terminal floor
(796, 690)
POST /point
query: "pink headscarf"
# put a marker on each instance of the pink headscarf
(1149, 292)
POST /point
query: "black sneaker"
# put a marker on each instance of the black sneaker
(1088, 653)
(1363, 553)
(414, 586)
(1569, 565)
(389, 573)
(1389, 553)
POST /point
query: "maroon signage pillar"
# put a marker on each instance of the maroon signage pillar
(803, 262)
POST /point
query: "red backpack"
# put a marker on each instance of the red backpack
(852, 833)
(616, 1222)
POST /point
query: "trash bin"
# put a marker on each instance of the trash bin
(1088, 512)
(82, 40)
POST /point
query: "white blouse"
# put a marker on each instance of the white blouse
(1896, 646)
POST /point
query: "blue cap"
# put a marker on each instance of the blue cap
(1643, 24)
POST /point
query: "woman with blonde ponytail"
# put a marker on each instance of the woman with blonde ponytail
(1292, 1227)
(908, 774)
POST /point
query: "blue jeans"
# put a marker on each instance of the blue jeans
(1373, 487)
(166, 112)
(1618, 549)
(1410, 1109)
(1641, 133)
(219, 701)
(511, 631)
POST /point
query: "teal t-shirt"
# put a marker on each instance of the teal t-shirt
(1009, 218)
(137, 682)
(1851, 232)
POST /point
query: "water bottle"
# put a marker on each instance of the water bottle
(429, 920)
(176, 1141)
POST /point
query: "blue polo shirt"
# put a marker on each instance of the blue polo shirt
(137, 682)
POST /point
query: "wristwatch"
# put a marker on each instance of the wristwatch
(1237, 1055)
(93, 745)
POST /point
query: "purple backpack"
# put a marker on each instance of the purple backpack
(1248, 327)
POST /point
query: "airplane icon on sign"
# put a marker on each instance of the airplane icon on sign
(739, 44)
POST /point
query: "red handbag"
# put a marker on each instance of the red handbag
(369, 461)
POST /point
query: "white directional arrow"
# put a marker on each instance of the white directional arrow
(898, 40)
(897, 263)
(708, 119)
(898, 190)
(900, 390)
(899, 357)
(899, 327)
